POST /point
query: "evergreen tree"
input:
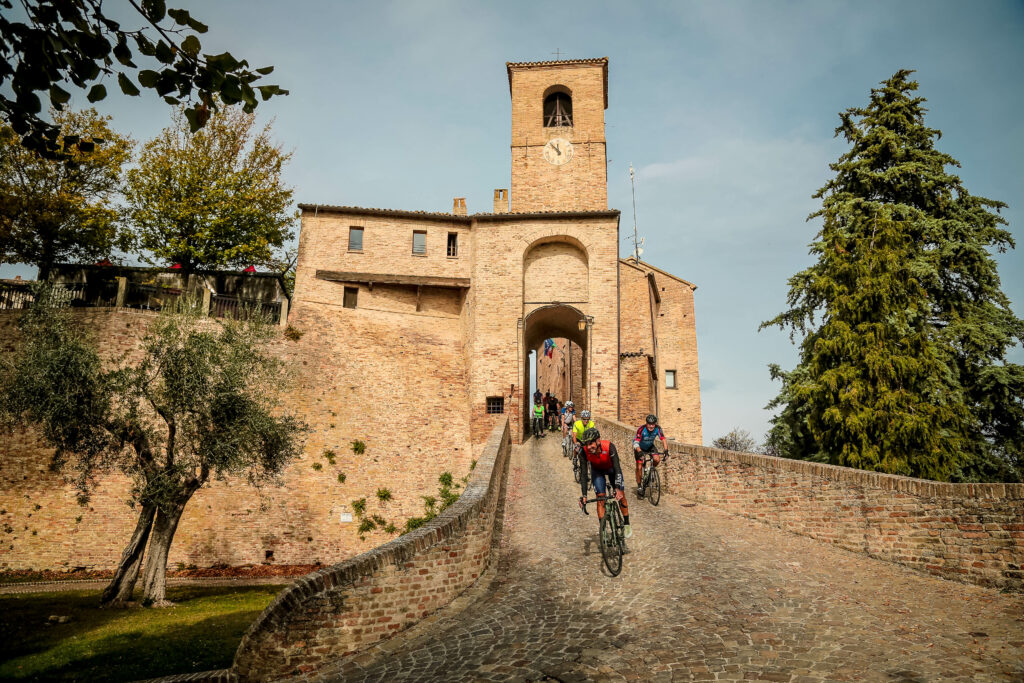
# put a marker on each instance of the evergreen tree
(906, 372)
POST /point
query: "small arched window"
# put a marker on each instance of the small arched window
(558, 109)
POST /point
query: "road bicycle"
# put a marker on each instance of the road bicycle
(650, 480)
(611, 532)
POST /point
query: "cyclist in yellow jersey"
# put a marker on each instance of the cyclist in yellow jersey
(580, 426)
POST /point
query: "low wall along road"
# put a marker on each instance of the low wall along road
(967, 532)
(342, 609)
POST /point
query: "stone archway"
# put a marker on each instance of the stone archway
(553, 321)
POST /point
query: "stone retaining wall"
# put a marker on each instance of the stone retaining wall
(968, 532)
(341, 609)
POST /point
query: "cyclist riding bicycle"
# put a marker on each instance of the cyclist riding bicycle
(643, 443)
(603, 461)
(552, 416)
(568, 417)
(580, 426)
(538, 419)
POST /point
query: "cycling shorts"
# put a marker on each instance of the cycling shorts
(597, 478)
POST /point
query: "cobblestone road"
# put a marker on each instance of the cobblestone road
(703, 596)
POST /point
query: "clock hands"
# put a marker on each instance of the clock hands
(556, 149)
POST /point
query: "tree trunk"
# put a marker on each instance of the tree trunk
(119, 591)
(154, 576)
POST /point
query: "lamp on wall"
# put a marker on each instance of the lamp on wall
(582, 324)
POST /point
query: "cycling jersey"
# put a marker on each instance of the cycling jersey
(538, 411)
(568, 418)
(578, 428)
(645, 437)
(604, 464)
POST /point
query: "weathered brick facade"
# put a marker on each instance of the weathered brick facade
(968, 532)
(341, 396)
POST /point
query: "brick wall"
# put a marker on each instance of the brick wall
(342, 609)
(657, 320)
(968, 532)
(352, 378)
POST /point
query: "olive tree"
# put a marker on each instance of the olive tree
(200, 402)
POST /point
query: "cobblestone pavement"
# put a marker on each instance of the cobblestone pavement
(702, 596)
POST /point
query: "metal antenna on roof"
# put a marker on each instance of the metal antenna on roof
(557, 53)
(638, 243)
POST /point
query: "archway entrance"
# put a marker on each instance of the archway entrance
(555, 321)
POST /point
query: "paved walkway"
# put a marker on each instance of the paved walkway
(703, 596)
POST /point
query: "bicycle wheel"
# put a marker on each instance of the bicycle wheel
(611, 542)
(576, 468)
(654, 487)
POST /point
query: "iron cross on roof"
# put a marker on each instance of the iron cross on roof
(557, 53)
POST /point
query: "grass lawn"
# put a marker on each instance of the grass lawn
(202, 632)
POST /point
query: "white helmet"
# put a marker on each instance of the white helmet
(570, 404)
(585, 414)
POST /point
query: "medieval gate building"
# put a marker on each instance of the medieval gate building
(543, 264)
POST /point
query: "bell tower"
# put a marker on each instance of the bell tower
(559, 160)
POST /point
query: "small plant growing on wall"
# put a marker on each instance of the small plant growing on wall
(359, 507)
(317, 466)
(341, 477)
(292, 334)
(383, 495)
(330, 456)
(358, 447)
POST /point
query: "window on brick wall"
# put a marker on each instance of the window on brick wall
(355, 239)
(495, 405)
(453, 244)
(419, 242)
(351, 294)
(670, 379)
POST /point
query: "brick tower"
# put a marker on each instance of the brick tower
(559, 161)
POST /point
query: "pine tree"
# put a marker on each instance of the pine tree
(906, 371)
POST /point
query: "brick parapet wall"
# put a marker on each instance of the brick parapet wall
(342, 609)
(968, 532)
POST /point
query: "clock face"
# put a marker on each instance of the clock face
(558, 151)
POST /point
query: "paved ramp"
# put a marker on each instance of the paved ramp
(703, 596)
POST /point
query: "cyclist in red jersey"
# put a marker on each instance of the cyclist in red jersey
(603, 461)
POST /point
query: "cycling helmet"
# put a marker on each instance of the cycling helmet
(652, 419)
(590, 436)
(570, 404)
(585, 414)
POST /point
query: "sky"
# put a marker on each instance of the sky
(725, 109)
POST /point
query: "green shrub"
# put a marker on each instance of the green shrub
(330, 456)
(359, 507)
(341, 477)
(292, 333)
(317, 466)
(383, 495)
(358, 447)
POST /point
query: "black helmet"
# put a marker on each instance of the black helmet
(590, 436)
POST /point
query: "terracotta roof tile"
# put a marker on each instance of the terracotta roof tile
(603, 61)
